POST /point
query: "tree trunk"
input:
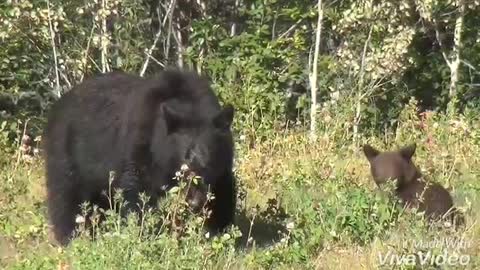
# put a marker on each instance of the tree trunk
(454, 65)
(103, 40)
(58, 91)
(361, 94)
(314, 74)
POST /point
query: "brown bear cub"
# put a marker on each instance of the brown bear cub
(413, 191)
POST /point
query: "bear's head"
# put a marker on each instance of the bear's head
(201, 140)
(391, 165)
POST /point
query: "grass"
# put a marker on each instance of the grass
(302, 205)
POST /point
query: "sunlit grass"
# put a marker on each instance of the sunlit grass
(302, 205)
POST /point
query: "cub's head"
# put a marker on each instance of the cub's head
(392, 165)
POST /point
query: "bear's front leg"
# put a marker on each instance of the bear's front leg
(130, 184)
(135, 164)
(224, 204)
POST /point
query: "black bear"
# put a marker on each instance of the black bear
(430, 198)
(144, 129)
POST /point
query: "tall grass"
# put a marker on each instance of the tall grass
(302, 205)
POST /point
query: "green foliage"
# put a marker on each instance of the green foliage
(251, 69)
(323, 206)
(373, 53)
(303, 205)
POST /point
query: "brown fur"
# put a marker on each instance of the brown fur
(413, 191)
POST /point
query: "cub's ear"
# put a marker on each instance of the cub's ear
(224, 119)
(370, 152)
(172, 119)
(408, 151)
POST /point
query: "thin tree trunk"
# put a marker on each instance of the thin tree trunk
(180, 48)
(233, 28)
(103, 41)
(58, 91)
(361, 94)
(172, 7)
(150, 51)
(454, 65)
(202, 53)
(314, 74)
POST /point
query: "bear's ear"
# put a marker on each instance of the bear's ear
(224, 119)
(172, 119)
(370, 152)
(408, 151)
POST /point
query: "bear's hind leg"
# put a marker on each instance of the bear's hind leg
(63, 199)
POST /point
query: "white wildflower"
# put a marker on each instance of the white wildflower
(79, 219)
(290, 225)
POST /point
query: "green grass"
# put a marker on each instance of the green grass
(302, 205)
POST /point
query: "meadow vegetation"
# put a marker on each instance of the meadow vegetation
(302, 205)
(390, 73)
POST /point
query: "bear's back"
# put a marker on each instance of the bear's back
(429, 197)
(89, 120)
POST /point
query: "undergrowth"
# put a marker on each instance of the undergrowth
(301, 205)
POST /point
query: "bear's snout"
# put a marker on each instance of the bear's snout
(196, 200)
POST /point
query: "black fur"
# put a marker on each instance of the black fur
(144, 130)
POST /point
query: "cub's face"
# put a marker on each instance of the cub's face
(392, 165)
